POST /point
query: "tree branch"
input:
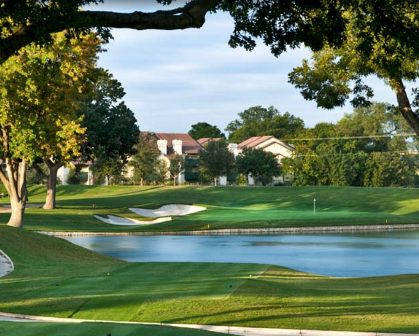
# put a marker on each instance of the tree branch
(39, 171)
(192, 15)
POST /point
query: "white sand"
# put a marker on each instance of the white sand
(168, 210)
(116, 220)
(6, 264)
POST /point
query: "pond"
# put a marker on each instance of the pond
(336, 254)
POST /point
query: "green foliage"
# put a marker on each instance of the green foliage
(41, 88)
(258, 121)
(216, 160)
(111, 130)
(339, 160)
(160, 173)
(388, 169)
(337, 74)
(74, 176)
(145, 160)
(205, 130)
(262, 166)
(241, 180)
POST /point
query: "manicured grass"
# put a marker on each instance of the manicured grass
(56, 278)
(85, 329)
(227, 207)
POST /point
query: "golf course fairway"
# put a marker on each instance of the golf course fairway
(226, 207)
(55, 278)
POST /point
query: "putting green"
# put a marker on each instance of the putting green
(229, 207)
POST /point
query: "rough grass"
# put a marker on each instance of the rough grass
(228, 207)
(56, 278)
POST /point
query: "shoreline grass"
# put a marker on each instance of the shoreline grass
(55, 278)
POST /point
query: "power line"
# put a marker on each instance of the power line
(358, 137)
(359, 153)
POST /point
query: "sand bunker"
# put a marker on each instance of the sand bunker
(116, 220)
(168, 210)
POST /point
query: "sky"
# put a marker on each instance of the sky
(174, 79)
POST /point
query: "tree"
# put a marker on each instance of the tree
(62, 73)
(144, 161)
(388, 169)
(205, 130)
(216, 160)
(358, 150)
(37, 110)
(280, 24)
(176, 166)
(336, 74)
(262, 166)
(259, 121)
(160, 172)
(111, 130)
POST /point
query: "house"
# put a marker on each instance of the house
(85, 173)
(270, 144)
(182, 144)
(204, 141)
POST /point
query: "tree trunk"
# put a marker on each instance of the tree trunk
(404, 105)
(215, 181)
(18, 209)
(141, 181)
(50, 201)
(174, 180)
(15, 183)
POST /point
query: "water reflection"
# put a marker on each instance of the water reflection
(341, 255)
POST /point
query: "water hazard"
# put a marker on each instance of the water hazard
(340, 255)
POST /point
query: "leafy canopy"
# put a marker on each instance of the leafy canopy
(205, 130)
(216, 160)
(259, 121)
(261, 165)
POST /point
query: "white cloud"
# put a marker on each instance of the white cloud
(174, 79)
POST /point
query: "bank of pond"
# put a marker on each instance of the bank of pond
(359, 254)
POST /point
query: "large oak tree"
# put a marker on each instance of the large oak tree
(38, 103)
(336, 75)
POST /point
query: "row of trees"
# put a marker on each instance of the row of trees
(366, 148)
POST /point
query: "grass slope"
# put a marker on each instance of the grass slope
(55, 278)
(229, 207)
(72, 329)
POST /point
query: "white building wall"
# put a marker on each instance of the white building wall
(62, 174)
(162, 145)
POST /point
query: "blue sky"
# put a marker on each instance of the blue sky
(174, 79)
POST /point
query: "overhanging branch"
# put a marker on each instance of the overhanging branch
(192, 15)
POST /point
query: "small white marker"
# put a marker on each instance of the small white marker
(314, 205)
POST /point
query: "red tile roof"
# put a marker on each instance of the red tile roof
(254, 141)
(257, 140)
(204, 141)
(189, 145)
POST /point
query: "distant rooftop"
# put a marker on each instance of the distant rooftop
(189, 145)
(204, 141)
(259, 140)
